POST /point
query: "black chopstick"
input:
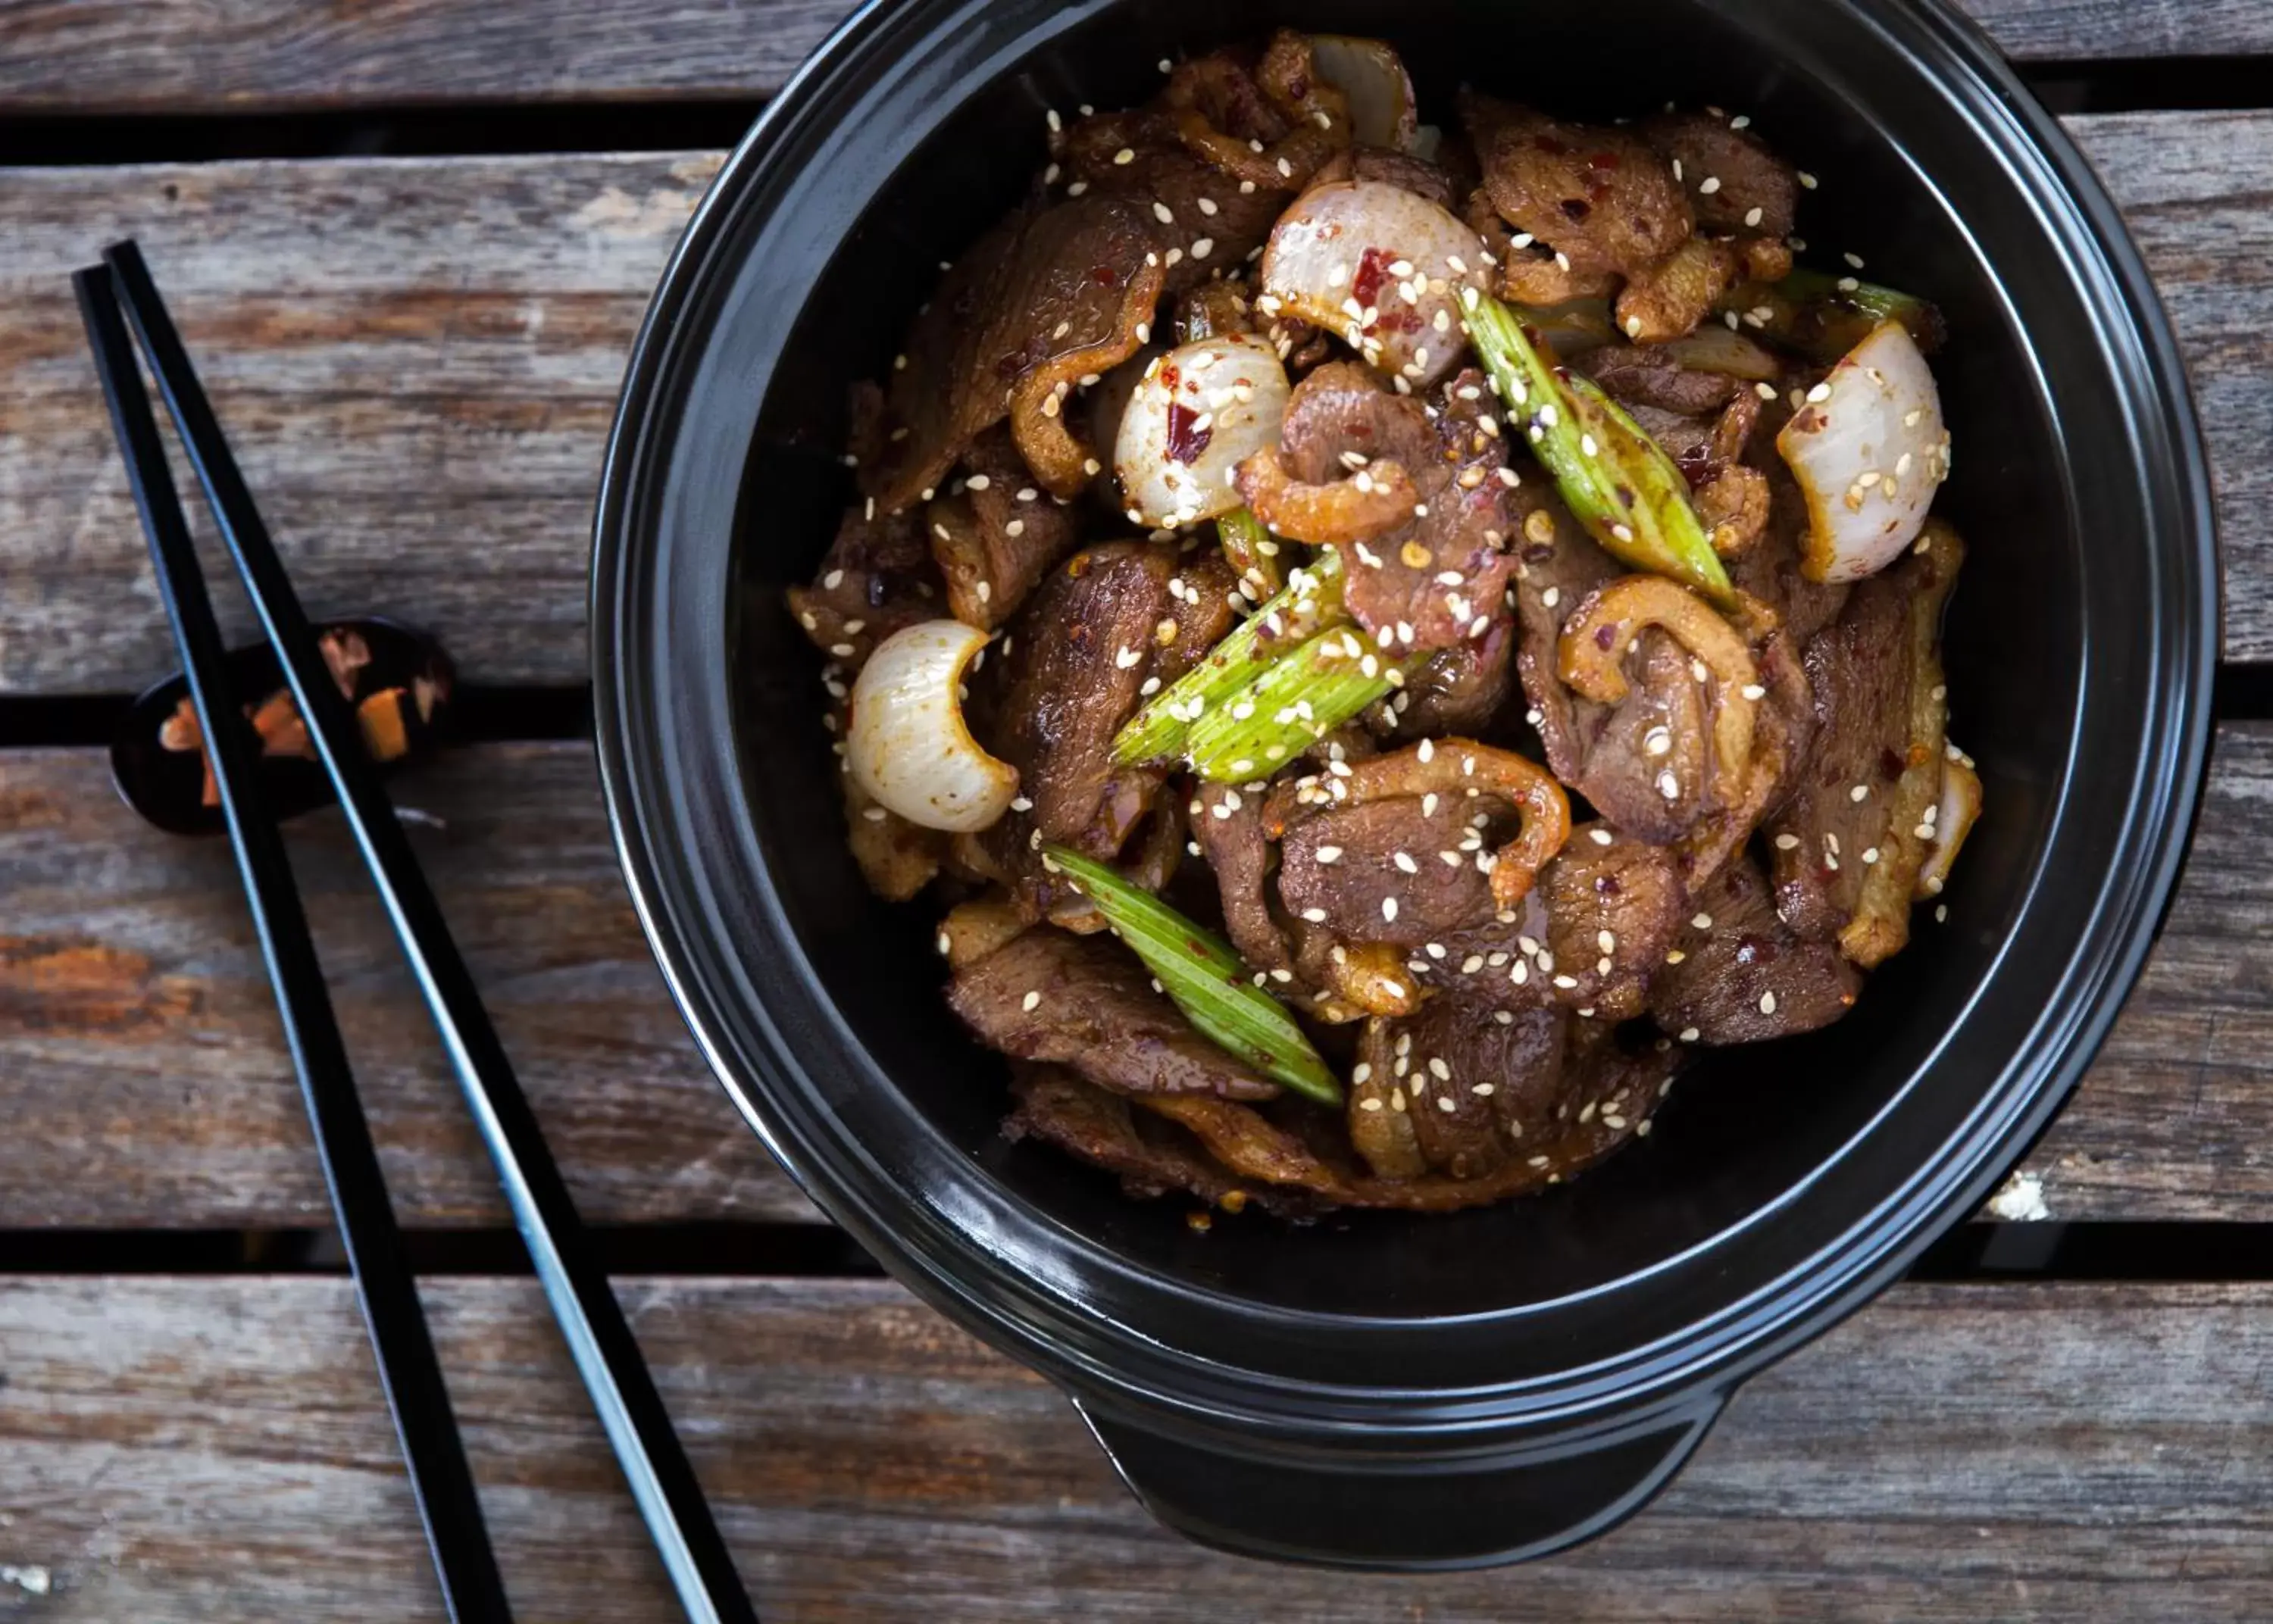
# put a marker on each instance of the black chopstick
(412, 1377)
(662, 1482)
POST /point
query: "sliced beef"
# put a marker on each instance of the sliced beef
(1462, 689)
(1613, 905)
(1623, 758)
(1846, 849)
(1652, 375)
(1070, 673)
(1229, 827)
(1151, 1156)
(1054, 293)
(1212, 225)
(1459, 1089)
(877, 578)
(1407, 173)
(996, 533)
(1667, 298)
(1752, 190)
(1436, 580)
(1743, 977)
(1378, 872)
(1770, 570)
(1597, 195)
(1087, 1002)
(897, 859)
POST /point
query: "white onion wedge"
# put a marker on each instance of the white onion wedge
(1381, 269)
(1199, 412)
(906, 744)
(1868, 448)
(1373, 77)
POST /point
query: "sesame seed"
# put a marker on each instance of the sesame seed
(1689, 1034)
(1818, 394)
(1767, 1003)
(1767, 392)
(1806, 180)
(1032, 1000)
(1854, 259)
(1445, 1103)
(1710, 185)
(1941, 912)
(1675, 956)
(1786, 842)
(1551, 596)
(1127, 155)
(1859, 793)
(1565, 982)
(1439, 1070)
(1754, 691)
(1601, 837)
(1752, 216)
(1389, 908)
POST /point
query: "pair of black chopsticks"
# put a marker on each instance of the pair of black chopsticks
(662, 1481)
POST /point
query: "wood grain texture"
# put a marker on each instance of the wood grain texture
(216, 1451)
(143, 1077)
(138, 1047)
(227, 55)
(417, 361)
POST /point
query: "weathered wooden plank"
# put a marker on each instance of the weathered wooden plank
(139, 1048)
(230, 55)
(143, 1078)
(418, 361)
(216, 1451)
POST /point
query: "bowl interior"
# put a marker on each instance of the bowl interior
(1907, 185)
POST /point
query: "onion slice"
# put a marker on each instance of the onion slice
(1372, 75)
(1868, 448)
(1198, 412)
(906, 744)
(1380, 269)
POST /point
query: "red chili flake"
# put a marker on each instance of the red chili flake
(1890, 765)
(1104, 276)
(1185, 441)
(1372, 270)
(1606, 638)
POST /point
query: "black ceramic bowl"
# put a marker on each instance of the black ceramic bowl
(1412, 1391)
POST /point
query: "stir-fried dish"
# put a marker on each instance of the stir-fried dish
(1381, 641)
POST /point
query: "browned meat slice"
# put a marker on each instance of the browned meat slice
(1457, 1088)
(1394, 871)
(1071, 672)
(1212, 225)
(1613, 905)
(1051, 295)
(1652, 375)
(876, 579)
(1604, 1095)
(1783, 731)
(1597, 196)
(1228, 828)
(1153, 1155)
(1436, 580)
(1741, 976)
(1407, 173)
(897, 858)
(1770, 570)
(1087, 1002)
(996, 533)
(1735, 182)
(1623, 758)
(1846, 845)
(1667, 298)
(1463, 689)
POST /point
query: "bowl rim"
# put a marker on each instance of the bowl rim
(1780, 1315)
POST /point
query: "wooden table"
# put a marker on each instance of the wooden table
(417, 356)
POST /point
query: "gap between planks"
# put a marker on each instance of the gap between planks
(218, 1450)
